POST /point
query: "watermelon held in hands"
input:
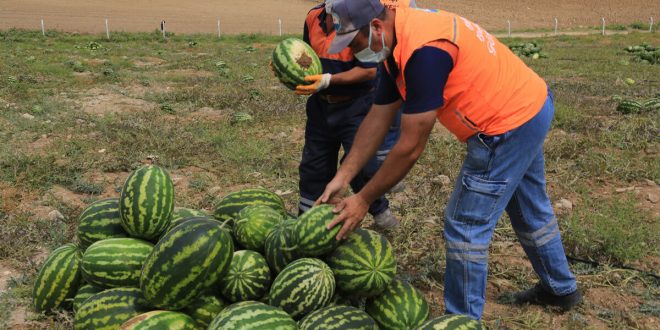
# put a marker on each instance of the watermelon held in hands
(311, 234)
(293, 59)
(58, 279)
(185, 262)
(363, 265)
(147, 202)
(100, 220)
(252, 315)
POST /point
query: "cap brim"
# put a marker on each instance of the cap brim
(342, 41)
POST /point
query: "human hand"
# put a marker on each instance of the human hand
(351, 212)
(319, 82)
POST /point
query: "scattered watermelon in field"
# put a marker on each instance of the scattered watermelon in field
(292, 60)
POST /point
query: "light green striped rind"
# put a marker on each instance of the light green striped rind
(253, 224)
(401, 306)
(58, 278)
(205, 308)
(280, 247)
(293, 59)
(84, 292)
(364, 264)
(303, 286)
(160, 320)
(451, 322)
(651, 105)
(180, 214)
(252, 315)
(147, 202)
(115, 262)
(229, 206)
(109, 309)
(185, 262)
(100, 220)
(311, 235)
(338, 318)
(248, 277)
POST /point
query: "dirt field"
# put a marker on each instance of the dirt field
(261, 15)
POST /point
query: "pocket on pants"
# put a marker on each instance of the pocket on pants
(478, 199)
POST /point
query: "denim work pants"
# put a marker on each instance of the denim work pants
(329, 127)
(502, 172)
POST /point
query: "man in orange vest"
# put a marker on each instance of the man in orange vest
(441, 66)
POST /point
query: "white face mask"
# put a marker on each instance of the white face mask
(369, 56)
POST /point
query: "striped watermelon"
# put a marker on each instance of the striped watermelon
(348, 300)
(651, 105)
(364, 264)
(83, 293)
(280, 247)
(147, 202)
(252, 315)
(253, 224)
(401, 306)
(229, 206)
(58, 279)
(311, 235)
(204, 309)
(115, 262)
(100, 220)
(248, 277)
(293, 59)
(338, 318)
(629, 106)
(180, 214)
(160, 320)
(303, 286)
(185, 262)
(110, 309)
(451, 322)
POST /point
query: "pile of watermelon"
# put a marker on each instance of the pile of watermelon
(531, 50)
(644, 53)
(141, 263)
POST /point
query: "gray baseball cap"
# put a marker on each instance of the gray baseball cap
(349, 17)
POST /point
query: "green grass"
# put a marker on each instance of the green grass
(592, 150)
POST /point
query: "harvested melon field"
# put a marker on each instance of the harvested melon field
(79, 115)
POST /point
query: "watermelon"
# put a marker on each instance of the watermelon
(185, 262)
(161, 320)
(651, 105)
(401, 306)
(83, 293)
(253, 224)
(451, 322)
(58, 278)
(364, 265)
(147, 202)
(204, 309)
(347, 300)
(338, 318)
(110, 309)
(229, 206)
(240, 117)
(629, 106)
(303, 286)
(252, 315)
(293, 59)
(248, 277)
(180, 214)
(280, 247)
(115, 262)
(100, 220)
(312, 236)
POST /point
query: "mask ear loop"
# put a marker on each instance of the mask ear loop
(370, 33)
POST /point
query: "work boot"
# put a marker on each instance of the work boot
(386, 220)
(540, 296)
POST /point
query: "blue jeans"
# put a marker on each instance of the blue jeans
(329, 127)
(502, 172)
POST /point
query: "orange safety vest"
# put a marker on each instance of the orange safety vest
(490, 90)
(320, 41)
